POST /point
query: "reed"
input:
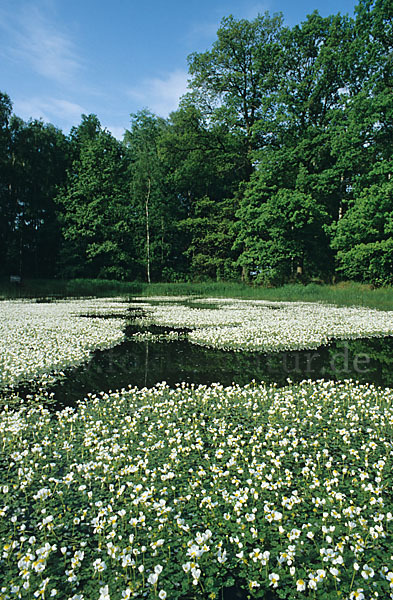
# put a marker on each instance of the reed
(342, 294)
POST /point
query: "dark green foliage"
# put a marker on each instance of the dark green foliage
(364, 236)
(287, 239)
(5, 168)
(212, 236)
(204, 168)
(33, 163)
(155, 211)
(296, 189)
(234, 82)
(96, 215)
(276, 167)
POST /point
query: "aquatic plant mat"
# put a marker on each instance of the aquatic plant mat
(192, 492)
(185, 493)
(258, 325)
(40, 339)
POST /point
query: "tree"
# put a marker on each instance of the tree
(96, 216)
(277, 164)
(295, 168)
(150, 203)
(38, 161)
(363, 130)
(203, 165)
(5, 168)
(235, 81)
(364, 236)
(211, 230)
(285, 239)
(317, 54)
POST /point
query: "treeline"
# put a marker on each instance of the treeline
(276, 167)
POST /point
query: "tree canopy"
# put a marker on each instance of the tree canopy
(276, 167)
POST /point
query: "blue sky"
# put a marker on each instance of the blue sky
(62, 58)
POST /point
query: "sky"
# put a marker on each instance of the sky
(60, 59)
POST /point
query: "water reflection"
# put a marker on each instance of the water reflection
(143, 364)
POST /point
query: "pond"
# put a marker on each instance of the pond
(152, 358)
(145, 363)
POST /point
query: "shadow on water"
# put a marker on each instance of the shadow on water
(145, 363)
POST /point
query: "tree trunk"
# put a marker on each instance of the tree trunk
(148, 231)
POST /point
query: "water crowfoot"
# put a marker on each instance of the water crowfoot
(297, 500)
(258, 325)
(38, 339)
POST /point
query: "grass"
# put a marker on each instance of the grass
(342, 294)
(57, 288)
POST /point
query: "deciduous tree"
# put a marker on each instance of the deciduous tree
(96, 214)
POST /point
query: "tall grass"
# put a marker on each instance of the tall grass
(343, 294)
(53, 288)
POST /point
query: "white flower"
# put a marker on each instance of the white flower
(153, 578)
(104, 593)
(221, 556)
(99, 565)
(335, 572)
(367, 572)
(194, 551)
(274, 579)
(196, 573)
(253, 584)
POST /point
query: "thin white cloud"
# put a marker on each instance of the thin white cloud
(117, 132)
(37, 40)
(161, 95)
(63, 113)
(50, 110)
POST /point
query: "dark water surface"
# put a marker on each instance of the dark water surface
(145, 363)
